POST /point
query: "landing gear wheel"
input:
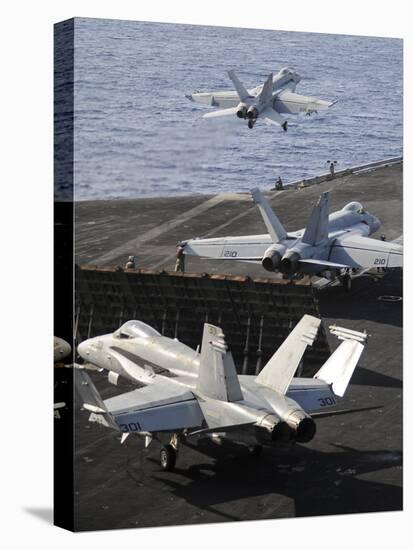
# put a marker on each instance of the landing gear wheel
(255, 450)
(250, 124)
(285, 126)
(168, 458)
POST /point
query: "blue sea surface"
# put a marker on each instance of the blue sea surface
(136, 135)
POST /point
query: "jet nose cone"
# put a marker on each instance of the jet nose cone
(61, 349)
(83, 349)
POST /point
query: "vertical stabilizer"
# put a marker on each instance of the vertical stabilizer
(217, 378)
(241, 90)
(316, 231)
(272, 223)
(266, 92)
(91, 399)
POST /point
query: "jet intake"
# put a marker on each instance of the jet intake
(252, 113)
(289, 263)
(272, 257)
(242, 110)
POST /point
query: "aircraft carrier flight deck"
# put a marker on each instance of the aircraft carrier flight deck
(354, 463)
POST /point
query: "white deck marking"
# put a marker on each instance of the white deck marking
(216, 229)
(132, 245)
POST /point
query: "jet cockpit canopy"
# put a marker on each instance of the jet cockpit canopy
(354, 207)
(136, 329)
(285, 70)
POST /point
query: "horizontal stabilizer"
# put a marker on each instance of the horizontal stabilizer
(279, 371)
(325, 414)
(271, 116)
(339, 367)
(272, 223)
(221, 112)
(217, 378)
(324, 263)
(241, 90)
(91, 400)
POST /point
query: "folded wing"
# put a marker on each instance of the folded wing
(339, 367)
(162, 406)
(279, 371)
(357, 251)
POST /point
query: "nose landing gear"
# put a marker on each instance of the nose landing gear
(251, 122)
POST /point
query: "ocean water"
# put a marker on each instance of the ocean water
(137, 135)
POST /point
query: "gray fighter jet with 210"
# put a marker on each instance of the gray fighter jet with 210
(331, 245)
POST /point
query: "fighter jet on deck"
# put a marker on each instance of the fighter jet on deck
(277, 95)
(192, 395)
(330, 245)
(62, 350)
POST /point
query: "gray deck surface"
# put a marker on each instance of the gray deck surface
(106, 232)
(354, 463)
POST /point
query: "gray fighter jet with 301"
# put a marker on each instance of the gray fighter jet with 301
(277, 95)
(193, 395)
(330, 245)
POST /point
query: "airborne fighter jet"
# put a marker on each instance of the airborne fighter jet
(194, 395)
(330, 245)
(277, 95)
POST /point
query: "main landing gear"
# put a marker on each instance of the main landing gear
(169, 454)
(284, 125)
(168, 458)
(251, 123)
(345, 281)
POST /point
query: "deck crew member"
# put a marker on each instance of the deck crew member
(180, 259)
(130, 264)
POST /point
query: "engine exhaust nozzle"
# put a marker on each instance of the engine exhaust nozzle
(252, 113)
(289, 263)
(302, 424)
(306, 430)
(271, 429)
(272, 257)
(242, 111)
